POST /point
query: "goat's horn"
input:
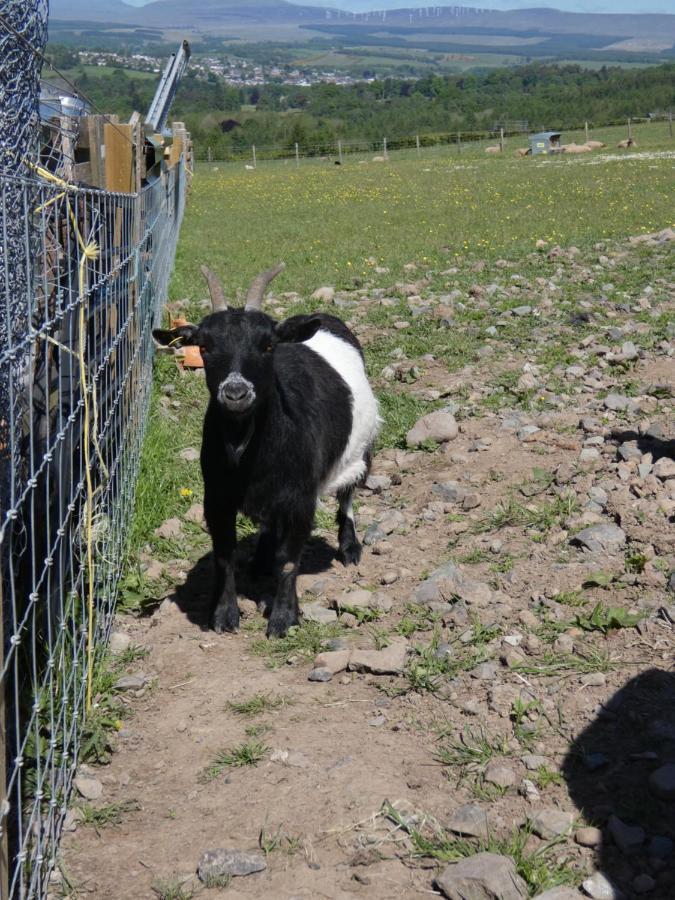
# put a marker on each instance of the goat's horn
(218, 300)
(254, 297)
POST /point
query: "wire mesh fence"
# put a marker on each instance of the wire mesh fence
(77, 377)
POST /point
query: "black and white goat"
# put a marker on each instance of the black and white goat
(291, 416)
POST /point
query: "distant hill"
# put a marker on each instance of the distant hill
(186, 13)
(405, 27)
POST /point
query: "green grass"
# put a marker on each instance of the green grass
(304, 640)
(171, 889)
(326, 221)
(541, 869)
(248, 754)
(111, 814)
(258, 704)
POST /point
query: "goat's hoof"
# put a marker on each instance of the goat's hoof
(225, 620)
(350, 554)
(278, 628)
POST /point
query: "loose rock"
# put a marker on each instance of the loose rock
(229, 862)
(485, 876)
(436, 426)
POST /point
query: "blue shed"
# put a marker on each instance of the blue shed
(545, 142)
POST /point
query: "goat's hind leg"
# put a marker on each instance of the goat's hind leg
(349, 547)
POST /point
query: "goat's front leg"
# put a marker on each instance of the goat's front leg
(285, 611)
(222, 522)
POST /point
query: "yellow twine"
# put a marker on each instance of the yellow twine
(90, 252)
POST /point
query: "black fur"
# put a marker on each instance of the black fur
(270, 440)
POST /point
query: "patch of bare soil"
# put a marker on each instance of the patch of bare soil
(538, 684)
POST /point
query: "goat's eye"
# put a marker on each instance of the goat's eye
(268, 348)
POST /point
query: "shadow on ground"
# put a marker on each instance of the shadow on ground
(615, 776)
(193, 597)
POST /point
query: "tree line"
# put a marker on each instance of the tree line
(229, 119)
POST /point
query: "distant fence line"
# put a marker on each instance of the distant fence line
(338, 149)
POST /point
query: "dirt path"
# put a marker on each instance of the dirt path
(510, 695)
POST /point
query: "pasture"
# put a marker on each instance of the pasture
(508, 293)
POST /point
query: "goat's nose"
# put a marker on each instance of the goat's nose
(236, 388)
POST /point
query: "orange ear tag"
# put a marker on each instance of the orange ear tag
(189, 357)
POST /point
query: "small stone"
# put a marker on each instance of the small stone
(189, 454)
(616, 402)
(627, 837)
(470, 820)
(315, 611)
(378, 483)
(326, 294)
(294, 759)
(562, 892)
(333, 660)
(88, 787)
(320, 674)
(213, 863)
(501, 775)
(533, 761)
(377, 721)
(172, 528)
(599, 887)
(643, 883)
(485, 876)
(662, 782)
(660, 847)
(195, 513)
(485, 671)
(551, 823)
(588, 836)
(593, 761)
(134, 682)
(604, 538)
(594, 679)
(438, 426)
(119, 642)
(664, 468)
(389, 661)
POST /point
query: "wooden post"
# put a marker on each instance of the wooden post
(417, 143)
(119, 157)
(459, 142)
(670, 121)
(340, 151)
(209, 154)
(384, 148)
(95, 139)
(586, 130)
(255, 161)
(630, 130)
(297, 156)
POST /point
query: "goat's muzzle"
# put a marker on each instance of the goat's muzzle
(236, 393)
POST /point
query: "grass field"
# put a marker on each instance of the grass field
(337, 225)
(327, 221)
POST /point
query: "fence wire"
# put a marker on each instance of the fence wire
(76, 365)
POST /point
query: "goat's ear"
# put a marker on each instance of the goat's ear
(176, 337)
(298, 329)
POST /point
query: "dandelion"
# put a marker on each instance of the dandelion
(186, 493)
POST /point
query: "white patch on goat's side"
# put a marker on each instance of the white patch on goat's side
(347, 362)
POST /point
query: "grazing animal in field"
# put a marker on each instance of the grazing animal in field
(291, 415)
(626, 143)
